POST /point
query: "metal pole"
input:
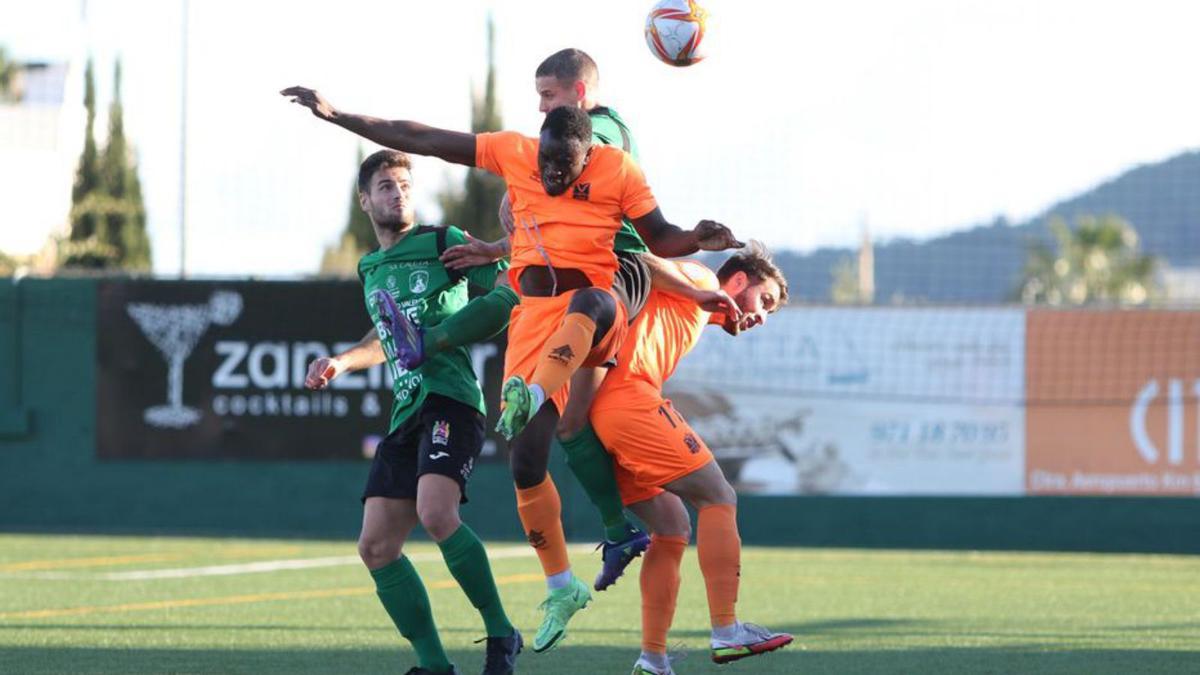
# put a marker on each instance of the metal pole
(183, 87)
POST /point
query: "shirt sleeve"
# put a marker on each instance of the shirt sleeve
(636, 198)
(493, 149)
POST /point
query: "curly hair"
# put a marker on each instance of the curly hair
(567, 123)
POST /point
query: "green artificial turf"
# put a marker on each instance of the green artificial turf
(852, 611)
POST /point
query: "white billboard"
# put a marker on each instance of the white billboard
(864, 401)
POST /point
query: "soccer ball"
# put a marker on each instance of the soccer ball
(674, 31)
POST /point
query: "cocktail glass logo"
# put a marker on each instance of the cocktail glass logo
(175, 330)
(1137, 421)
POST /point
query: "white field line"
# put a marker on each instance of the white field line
(257, 567)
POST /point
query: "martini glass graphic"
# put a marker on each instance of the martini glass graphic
(175, 330)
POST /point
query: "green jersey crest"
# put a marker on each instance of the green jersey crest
(427, 293)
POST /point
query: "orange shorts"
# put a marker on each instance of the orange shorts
(533, 322)
(650, 441)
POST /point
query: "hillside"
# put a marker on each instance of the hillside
(983, 264)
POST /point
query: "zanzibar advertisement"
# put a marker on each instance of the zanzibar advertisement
(217, 369)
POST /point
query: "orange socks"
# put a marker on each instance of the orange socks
(563, 353)
(720, 550)
(541, 516)
(660, 588)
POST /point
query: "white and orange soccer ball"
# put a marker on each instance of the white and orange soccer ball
(675, 31)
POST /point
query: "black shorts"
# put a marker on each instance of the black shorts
(631, 283)
(444, 437)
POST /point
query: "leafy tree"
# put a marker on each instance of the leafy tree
(108, 216)
(844, 290)
(8, 265)
(126, 224)
(473, 207)
(358, 224)
(87, 174)
(341, 259)
(854, 277)
(1099, 261)
(8, 76)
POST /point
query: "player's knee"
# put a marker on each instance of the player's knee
(438, 521)
(526, 474)
(528, 468)
(677, 528)
(377, 552)
(719, 493)
(727, 495)
(588, 301)
(597, 305)
(722, 494)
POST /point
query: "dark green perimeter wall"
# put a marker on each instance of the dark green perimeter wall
(51, 481)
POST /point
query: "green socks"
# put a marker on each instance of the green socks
(479, 320)
(468, 563)
(591, 464)
(403, 596)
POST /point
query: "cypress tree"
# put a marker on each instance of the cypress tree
(87, 174)
(108, 217)
(473, 206)
(126, 217)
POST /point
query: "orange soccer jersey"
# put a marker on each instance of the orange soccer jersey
(575, 229)
(652, 443)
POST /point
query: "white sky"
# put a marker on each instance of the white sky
(807, 119)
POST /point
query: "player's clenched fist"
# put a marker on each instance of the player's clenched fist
(322, 371)
(713, 236)
(309, 98)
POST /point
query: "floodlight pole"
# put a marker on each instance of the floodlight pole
(183, 87)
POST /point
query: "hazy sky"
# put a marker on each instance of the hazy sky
(807, 119)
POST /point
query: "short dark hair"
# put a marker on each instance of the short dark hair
(384, 159)
(755, 261)
(569, 65)
(568, 122)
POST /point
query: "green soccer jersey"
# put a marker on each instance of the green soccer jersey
(428, 293)
(608, 128)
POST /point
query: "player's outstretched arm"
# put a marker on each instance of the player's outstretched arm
(365, 354)
(403, 135)
(671, 241)
(666, 277)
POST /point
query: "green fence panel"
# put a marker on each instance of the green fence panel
(51, 480)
